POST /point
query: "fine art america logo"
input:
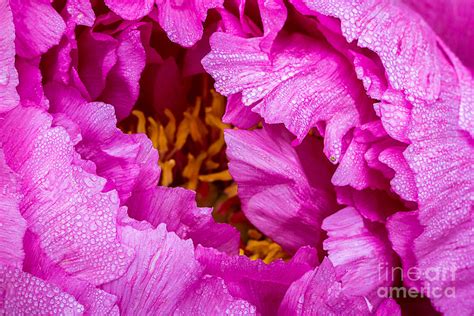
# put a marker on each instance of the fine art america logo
(431, 282)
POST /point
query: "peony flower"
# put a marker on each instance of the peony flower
(328, 173)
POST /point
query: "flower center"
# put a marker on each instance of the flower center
(191, 151)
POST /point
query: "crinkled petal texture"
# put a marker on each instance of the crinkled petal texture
(403, 228)
(94, 300)
(8, 75)
(122, 86)
(176, 207)
(396, 35)
(38, 27)
(318, 292)
(12, 225)
(300, 83)
(442, 160)
(358, 250)
(182, 20)
(263, 285)
(24, 294)
(285, 191)
(130, 10)
(128, 162)
(165, 277)
(453, 21)
(63, 204)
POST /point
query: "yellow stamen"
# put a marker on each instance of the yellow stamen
(231, 190)
(224, 175)
(216, 147)
(170, 128)
(153, 132)
(182, 135)
(191, 171)
(167, 172)
(141, 121)
(162, 141)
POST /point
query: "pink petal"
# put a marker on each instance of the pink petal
(94, 300)
(122, 85)
(403, 228)
(81, 12)
(178, 210)
(8, 75)
(319, 293)
(30, 87)
(359, 251)
(281, 78)
(442, 161)
(166, 275)
(236, 113)
(354, 170)
(395, 112)
(24, 294)
(97, 56)
(130, 10)
(38, 27)
(128, 162)
(182, 21)
(285, 191)
(388, 308)
(12, 225)
(396, 35)
(60, 198)
(403, 183)
(263, 285)
(453, 21)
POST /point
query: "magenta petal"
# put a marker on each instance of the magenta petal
(285, 191)
(30, 88)
(319, 293)
(403, 183)
(403, 228)
(442, 161)
(97, 56)
(61, 198)
(388, 308)
(280, 81)
(236, 113)
(122, 85)
(24, 294)
(355, 171)
(12, 225)
(94, 300)
(183, 22)
(8, 75)
(453, 21)
(396, 35)
(130, 10)
(176, 207)
(81, 12)
(128, 162)
(358, 250)
(263, 285)
(38, 26)
(165, 275)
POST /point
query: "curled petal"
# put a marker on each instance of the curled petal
(159, 205)
(61, 198)
(284, 190)
(319, 293)
(24, 294)
(38, 27)
(12, 225)
(8, 74)
(359, 252)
